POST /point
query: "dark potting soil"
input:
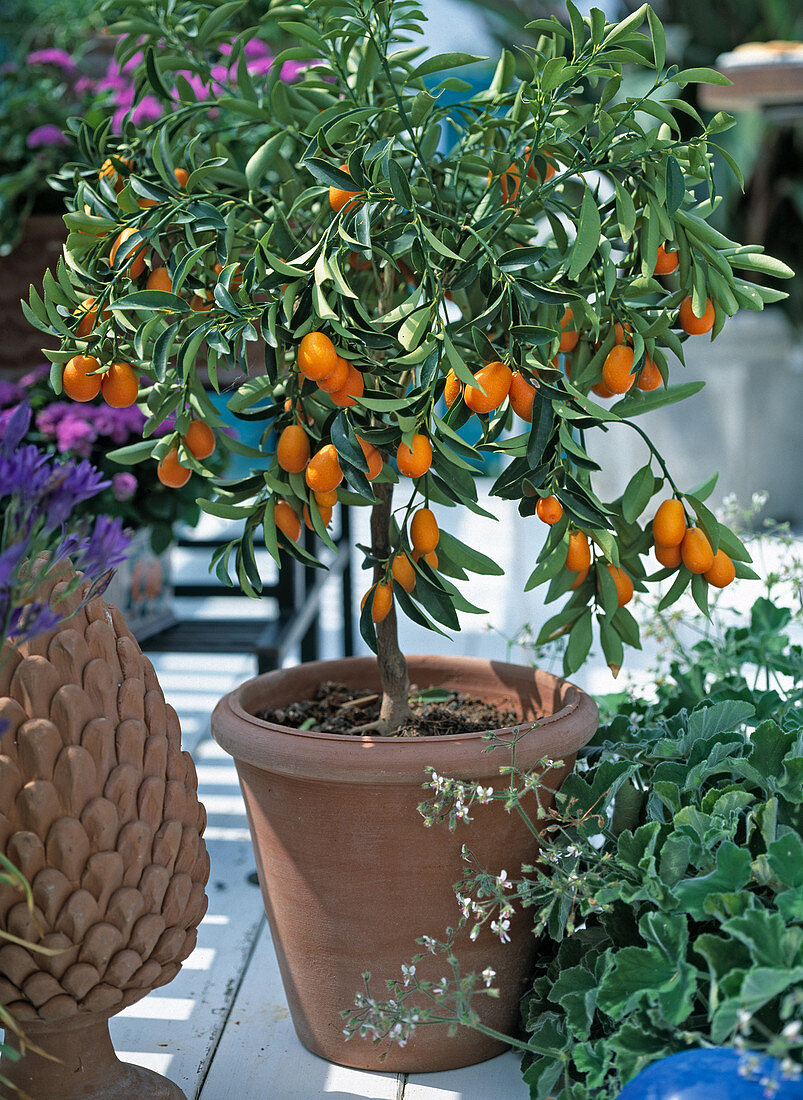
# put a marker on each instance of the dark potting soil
(435, 712)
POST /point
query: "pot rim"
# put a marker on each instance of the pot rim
(350, 738)
(255, 741)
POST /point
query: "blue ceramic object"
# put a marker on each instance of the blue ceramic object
(712, 1075)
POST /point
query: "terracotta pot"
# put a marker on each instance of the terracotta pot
(99, 811)
(82, 1065)
(349, 874)
(38, 250)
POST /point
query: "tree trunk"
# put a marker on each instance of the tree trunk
(395, 707)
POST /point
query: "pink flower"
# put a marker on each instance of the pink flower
(292, 69)
(220, 74)
(196, 83)
(134, 62)
(147, 110)
(46, 135)
(60, 58)
(255, 47)
(123, 486)
(76, 436)
(261, 66)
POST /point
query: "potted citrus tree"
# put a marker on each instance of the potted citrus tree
(526, 260)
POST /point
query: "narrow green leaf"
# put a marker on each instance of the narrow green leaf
(675, 185)
(588, 235)
(700, 76)
(442, 61)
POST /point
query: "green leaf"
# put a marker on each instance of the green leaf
(732, 872)
(469, 558)
(152, 70)
(675, 185)
(588, 235)
(637, 403)
(638, 493)
(540, 429)
(438, 244)
(442, 61)
(517, 259)
(700, 76)
(785, 857)
(259, 161)
(646, 976)
(399, 185)
(576, 991)
(328, 174)
(625, 211)
(151, 300)
(135, 452)
(579, 643)
(707, 520)
(367, 628)
(658, 39)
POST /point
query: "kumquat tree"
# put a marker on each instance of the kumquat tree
(530, 259)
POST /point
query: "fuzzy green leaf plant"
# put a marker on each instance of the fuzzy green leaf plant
(528, 261)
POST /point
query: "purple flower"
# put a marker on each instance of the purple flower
(16, 427)
(30, 620)
(75, 435)
(117, 424)
(46, 135)
(60, 58)
(10, 394)
(84, 85)
(39, 495)
(49, 418)
(104, 548)
(123, 486)
(38, 374)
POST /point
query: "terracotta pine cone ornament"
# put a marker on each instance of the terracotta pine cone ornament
(99, 810)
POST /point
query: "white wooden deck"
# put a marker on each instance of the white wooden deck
(221, 1030)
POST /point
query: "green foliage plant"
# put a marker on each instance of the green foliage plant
(668, 900)
(442, 260)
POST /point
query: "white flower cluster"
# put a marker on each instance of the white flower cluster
(390, 1020)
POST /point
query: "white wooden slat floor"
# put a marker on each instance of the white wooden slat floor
(222, 1030)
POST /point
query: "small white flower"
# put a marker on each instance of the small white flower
(792, 1030)
(743, 1018)
(408, 973)
(500, 927)
(488, 976)
(501, 881)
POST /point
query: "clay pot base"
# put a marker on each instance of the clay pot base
(88, 1068)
